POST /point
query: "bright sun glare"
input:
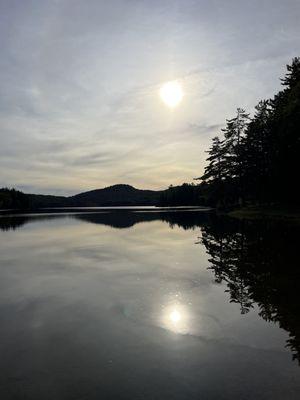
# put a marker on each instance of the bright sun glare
(171, 93)
(175, 316)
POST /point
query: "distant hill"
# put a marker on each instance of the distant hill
(116, 195)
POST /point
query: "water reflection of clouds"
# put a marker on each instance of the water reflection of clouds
(156, 275)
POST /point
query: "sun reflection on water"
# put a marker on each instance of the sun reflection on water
(175, 317)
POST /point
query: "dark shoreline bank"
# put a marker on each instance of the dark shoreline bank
(257, 212)
(59, 210)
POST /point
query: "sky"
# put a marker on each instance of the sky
(80, 79)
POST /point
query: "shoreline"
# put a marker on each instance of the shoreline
(71, 210)
(256, 212)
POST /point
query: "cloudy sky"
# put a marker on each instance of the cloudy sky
(80, 80)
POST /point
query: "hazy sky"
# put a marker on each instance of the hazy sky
(79, 83)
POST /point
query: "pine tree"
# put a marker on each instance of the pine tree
(258, 159)
(256, 152)
(215, 171)
(292, 77)
(234, 133)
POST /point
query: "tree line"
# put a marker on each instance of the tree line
(254, 160)
(13, 199)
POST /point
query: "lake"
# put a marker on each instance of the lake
(125, 304)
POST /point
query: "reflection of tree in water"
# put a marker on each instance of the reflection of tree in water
(14, 222)
(8, 223)
(120, 219)
(258, 260)
(126, 218)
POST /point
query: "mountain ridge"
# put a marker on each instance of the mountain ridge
(114, 195)
(119, 194)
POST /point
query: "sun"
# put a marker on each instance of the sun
(171, 93)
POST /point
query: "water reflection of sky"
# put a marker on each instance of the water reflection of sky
(85, 299)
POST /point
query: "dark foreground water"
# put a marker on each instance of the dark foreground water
(145, 305)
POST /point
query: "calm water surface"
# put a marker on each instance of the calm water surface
(148, 305)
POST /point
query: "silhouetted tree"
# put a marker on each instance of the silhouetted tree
(184, 195)
(256, 153)
(257, 159)
(13, 199)
(215, 170)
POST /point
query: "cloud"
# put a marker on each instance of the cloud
(79, 83)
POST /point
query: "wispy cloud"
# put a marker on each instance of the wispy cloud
(79, 81)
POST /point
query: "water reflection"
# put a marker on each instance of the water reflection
(89, 311)
(258, 261)
(175, 318)
(120, 219)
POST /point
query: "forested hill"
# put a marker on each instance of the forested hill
(116, 195)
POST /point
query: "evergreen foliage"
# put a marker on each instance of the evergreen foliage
(186, 194)
(253, 160)
(257, 159)
(13, 199)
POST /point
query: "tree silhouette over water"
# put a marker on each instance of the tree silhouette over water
(258, 261)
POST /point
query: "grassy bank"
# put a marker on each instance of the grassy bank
(255, 212)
